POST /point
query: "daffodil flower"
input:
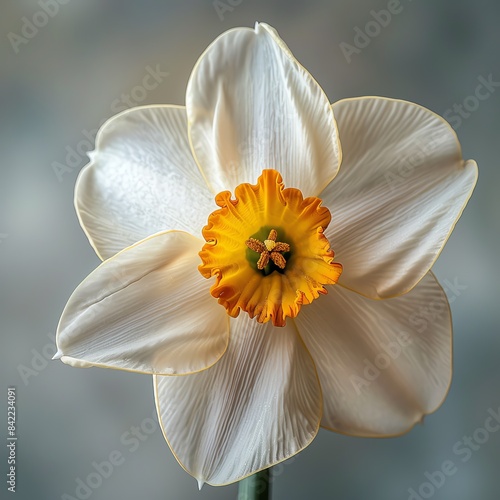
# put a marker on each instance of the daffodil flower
(256, 333)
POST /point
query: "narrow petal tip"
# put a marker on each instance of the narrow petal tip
(200, 484)
(58, 354)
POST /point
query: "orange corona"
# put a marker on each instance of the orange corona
(267, 250)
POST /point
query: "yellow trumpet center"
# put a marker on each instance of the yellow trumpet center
(267, 250)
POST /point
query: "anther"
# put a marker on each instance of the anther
(269, 249)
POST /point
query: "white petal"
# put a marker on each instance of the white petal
(259, 405)
(402, 187)
(383, 364)
(252, 106)
(142, 179)
(147, 309)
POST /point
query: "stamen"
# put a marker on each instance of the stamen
(255, 245)
(269, 249)
(278, 259)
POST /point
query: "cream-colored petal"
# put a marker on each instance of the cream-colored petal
(383, 364)
(251, 106)
(259, 405)
(142, 179)
(402, 187)
(147, 309)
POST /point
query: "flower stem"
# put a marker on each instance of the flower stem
(255, 487)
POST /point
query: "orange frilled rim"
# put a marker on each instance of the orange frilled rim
(272, 293)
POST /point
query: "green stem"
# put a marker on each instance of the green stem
(256, 487)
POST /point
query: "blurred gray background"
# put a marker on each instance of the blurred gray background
(60, 80)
